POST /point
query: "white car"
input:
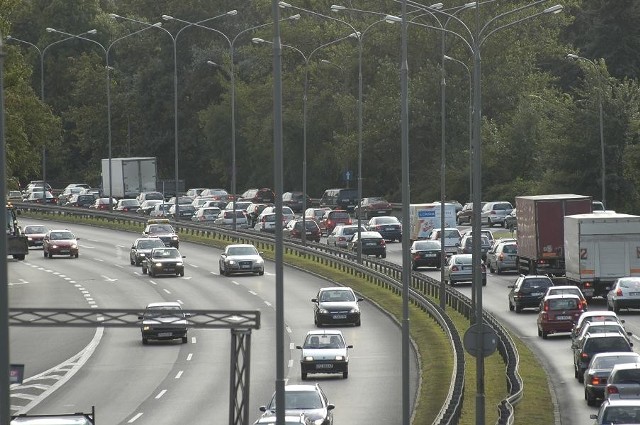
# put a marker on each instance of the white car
(287, 213)
(241, 258)
(452, 238)
(324, 351)
(226, 218)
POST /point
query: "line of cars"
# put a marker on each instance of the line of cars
(58, 242)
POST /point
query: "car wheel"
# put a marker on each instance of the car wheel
(414, 267)
(359, 322)
(575, 372)
(498, 270)
(303, 376)
(345, 374)
(77, 254)
(184, 339)
(539, 332)
(150, 272)
(45, 254)
(510, 306)
(518, 309)
(384, 255)
(484, 282)
(182, 273)
(261, 273)
(581, 377)
(616, 308)
(591, 401)
(145, 341)
(491, 269)
(544, 334)
(132, 262)
(144, 270)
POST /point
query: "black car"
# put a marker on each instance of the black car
(141, 249)
(163, 321)
(528, 291)
(388, 226)
(294, 200)
(593, 344)
(160, 228)
(426, 253)
(161, 261)
(81, 200)
(307, 400)
(371, 243)
(336, 305)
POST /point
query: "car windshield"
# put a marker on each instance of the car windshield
(148, 244)
(629, 284)
(386, 220)
(452, 234)
(462, 259)
(337, 296)
(510, 249)
(129, 202)
(621, 415)
(563, 304)
(242, 250)
(60, 236)
(501, 207)
(300, 400)
(324, 342)
(153, 312)
(166, 253)
(608, 362)
(535, 283)
(598, 345)
(426, 245)
(35, 229)
(161, 228)
(559, 291)
(629, 375)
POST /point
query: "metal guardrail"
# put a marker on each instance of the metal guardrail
(380, 272)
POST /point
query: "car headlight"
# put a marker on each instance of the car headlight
(260, 261)
(74, 246)
(179, 264)
(232, 262)
(339, 358)
(146, 327)
(174, 238)
(54, 246)
(323, 311)
(141, 254)
(308, 358)
(354, 310)
(158, 264)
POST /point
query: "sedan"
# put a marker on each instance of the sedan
(38, 198)
(127, 205)
(163, 261)
(147, 206)
(370, 243)
(336, 305)
(388, 226)
(60, 242)
(103, 203)
(372, 207)
(342, 235)
(617, 412)
(459, 268)
(206, 214)
(324, 352)
(141, 249)
(597, 374)
(226, 218)
(625, 293)
(241, 258)
(164, 321)
(185, 211)
(426, 253)
(35, 234)
(309, 400)
(502, 257)
(624, 381)
(293, 229)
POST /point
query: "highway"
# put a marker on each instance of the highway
(70, 369)
(554, 353)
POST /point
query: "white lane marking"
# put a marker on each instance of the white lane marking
(214, 273)
(135, 418)
(108, 279)
(119, 266)
(235, 283)
(189, 357)
(290, 365)
(186, 277)
(194, 266)
(153, 282)
(268, 303)
(160, 394)
(99, 260)
(291, 346)
(253, 293)
(636, 337)
(180, 301)
(289, 329)
(167, 291)
(179, 375)
(194, 340)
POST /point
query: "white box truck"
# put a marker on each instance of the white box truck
(129, 176)
(599, 248)
(425, 217)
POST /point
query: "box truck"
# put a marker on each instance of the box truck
(129, 176)
(599, 248)
(541, 231)
(425, 217)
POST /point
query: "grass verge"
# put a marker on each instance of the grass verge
(434, 350)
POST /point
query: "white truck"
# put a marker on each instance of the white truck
(129, 176)
(599, 248)
(425, 217)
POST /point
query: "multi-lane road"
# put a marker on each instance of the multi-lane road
(71, 369)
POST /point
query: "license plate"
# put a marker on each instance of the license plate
(430, 255)
(64, 251)
(537, 294)
(164, 334)
(634, 294)
(587, 292)
(563, 317)
(389, 228)
(324, 366)
(339, 316)
(245, 266)
(370, 244)
(381, 212)
(308, 233)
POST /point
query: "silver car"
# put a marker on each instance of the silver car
(241, 258)
(624, 382)
(324, 352)
(625, 293)
(617, 412)
(495, 212)
(342, 235)
(502, 257)
(459, 268)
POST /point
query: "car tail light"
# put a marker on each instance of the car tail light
(584, 356)
(349, 220)
(483, 268)
(612, 389)
(493, 212)
(454, 268)
(546, 306)
(416, 256)
(587, 284)
(596, 381)
(501, 257)
(342, 238)
(619, 292)
(382, 242)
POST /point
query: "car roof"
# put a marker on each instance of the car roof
(325, 332)
(617, 354)
(300, 387)
(240, 245)
(369, 234)
(623, 401)
(605, 335)
(627, 365)
(561, 296)
(336, 288)
(151, 238)
(164, 304)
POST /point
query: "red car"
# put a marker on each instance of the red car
(334, 217)
(558, 313)
(35, 234)
(60, 242)
(103, 203)
(293, 229)
(372, 207)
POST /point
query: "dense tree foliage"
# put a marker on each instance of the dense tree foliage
(540, 126)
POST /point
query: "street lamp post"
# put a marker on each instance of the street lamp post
(232, 73)
(41, 53)
(601, 122)
(106, 51)
(307, 59)
(174, 39)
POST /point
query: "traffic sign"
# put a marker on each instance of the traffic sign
(489, 340)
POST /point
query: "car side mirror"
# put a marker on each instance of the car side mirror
(349, 346)
(629, 333)
(263, 408)
(511, 286)
(77, 239)
(360, 299)
(184, 256)
(315, 300)
(593, 416)
(299, 347)
(139, 317)
(331, 406)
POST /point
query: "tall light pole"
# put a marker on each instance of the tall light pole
(106, 51)
(174, 39)
(601, 120)
(41, 53)
(307, 59)
(232, 75)
(359, 35)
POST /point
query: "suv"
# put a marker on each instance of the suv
(345, 199)
(528, 291)
(495, 212)
(593, 344)
(163, 321)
